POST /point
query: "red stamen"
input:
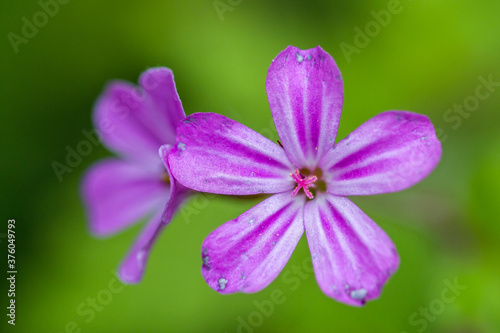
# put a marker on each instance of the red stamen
(303, 182)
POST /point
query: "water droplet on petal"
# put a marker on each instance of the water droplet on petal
(358, 294)
(141, 258)
(206, 259)
(181, 146)
(299, 57)
(222, 283)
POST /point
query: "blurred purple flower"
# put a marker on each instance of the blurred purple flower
(311, 176)
(137, 124)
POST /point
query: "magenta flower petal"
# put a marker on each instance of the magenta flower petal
(163, 102)
(216, 154)
(352, 257)
(178, 193)
(390, 152)
(246, 254)
(135, 122)
(305, 93)
(132, 268)
(119, 193)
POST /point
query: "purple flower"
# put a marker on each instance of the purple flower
(135, 123)
(310, 176)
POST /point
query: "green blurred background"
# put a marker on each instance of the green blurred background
(429, 57)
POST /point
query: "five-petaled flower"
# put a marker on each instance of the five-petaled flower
(310, 176)
(137, 124)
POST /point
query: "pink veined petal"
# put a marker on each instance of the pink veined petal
(352, 257)
(246, 254)
(305, 93)
(135, 122)
(163, 102)
(132, 268)
(390, 152)
(119, 193)
(219, 155)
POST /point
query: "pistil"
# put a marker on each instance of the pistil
(303, 182)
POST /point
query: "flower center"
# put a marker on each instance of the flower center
(165, 178)
(304, 181)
